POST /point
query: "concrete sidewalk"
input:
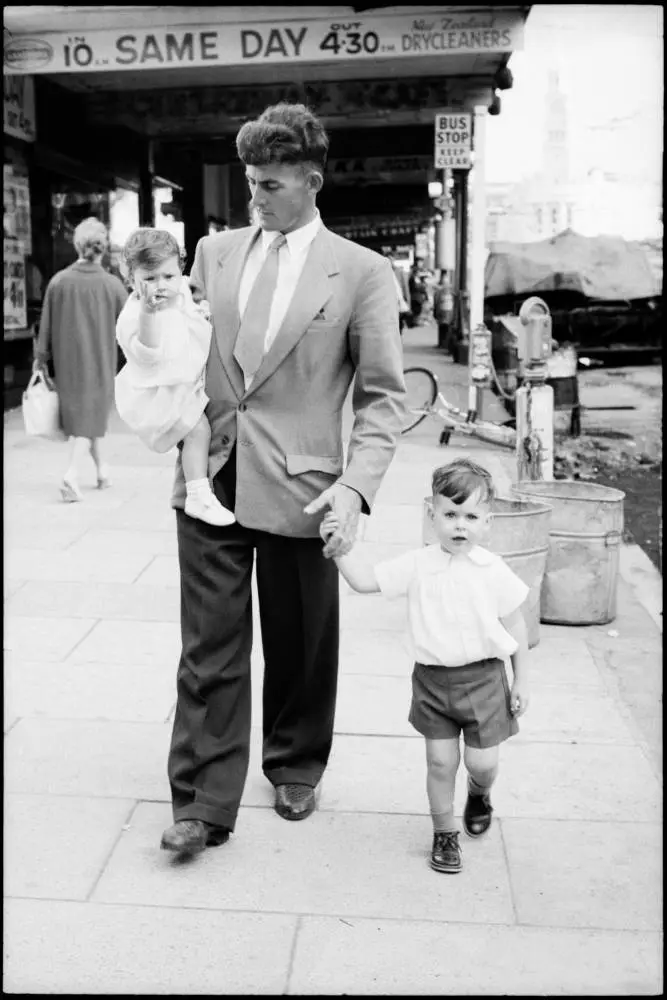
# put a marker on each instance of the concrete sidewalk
(562, 897)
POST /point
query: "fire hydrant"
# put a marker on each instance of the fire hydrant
(535, 399)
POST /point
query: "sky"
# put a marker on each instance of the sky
(610, 64)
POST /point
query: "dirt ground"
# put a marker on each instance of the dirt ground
(620, 446)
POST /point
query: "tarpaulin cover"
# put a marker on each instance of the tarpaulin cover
(599, 267)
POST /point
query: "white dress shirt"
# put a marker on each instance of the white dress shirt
(454, 603)
(291, 260)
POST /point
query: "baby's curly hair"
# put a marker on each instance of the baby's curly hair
(283, 133)
(148, 247)
(460, 479)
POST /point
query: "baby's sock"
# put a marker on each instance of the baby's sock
(444, 822)
(194, 486)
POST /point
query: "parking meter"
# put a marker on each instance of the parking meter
(536, 347)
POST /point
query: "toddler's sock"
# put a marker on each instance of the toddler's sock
(482, 783)
(444, 822)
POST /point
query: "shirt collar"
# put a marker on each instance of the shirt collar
(477, 555)
(299, 240)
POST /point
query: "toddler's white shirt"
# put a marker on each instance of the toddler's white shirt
(454, 603)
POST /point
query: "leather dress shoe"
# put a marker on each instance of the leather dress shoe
(189, 836)
(294, 801)
(477, 815)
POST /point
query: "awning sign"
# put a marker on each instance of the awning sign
(453, 141)
(258, 43)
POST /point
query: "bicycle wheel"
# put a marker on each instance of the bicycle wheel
(421, 392)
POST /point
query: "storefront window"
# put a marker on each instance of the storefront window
(70, 205)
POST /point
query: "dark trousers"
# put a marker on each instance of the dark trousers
(298, 607)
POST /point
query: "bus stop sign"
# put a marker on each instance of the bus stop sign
(453, 141)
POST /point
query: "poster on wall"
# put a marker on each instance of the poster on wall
(16, 199)
(19, 107)
(15, 314)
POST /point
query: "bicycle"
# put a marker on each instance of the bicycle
(424, 399)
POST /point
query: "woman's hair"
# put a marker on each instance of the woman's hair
(283, 133)
(91, 238)
(460, 479)
(148, 247)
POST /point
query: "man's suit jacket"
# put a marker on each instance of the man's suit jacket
(342, 320)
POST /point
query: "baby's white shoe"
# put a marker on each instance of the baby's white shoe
(205, 506)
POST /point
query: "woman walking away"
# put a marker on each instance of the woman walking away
(78, 330)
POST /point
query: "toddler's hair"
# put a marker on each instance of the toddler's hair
(460, 479)
(148, 247)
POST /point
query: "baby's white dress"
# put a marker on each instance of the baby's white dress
(160, 390)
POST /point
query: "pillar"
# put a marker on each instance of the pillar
(194, 216)
(478, 222)
(146, 172)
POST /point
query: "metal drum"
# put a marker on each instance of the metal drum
(581, 574)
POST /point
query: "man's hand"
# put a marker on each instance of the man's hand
(346, 505)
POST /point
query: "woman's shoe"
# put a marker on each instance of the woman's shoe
(103, 482)
(70, 492)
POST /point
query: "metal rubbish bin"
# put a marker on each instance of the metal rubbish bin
(520, 534)
(581, 574)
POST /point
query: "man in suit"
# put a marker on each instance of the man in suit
(297, 313)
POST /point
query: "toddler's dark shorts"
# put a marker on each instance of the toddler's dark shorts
(474, 699)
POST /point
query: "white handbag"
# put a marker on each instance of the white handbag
(41, 408)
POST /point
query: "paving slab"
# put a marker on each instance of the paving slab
(111, 601)
(567, 662)
(129, 692)
(116, 567)
(123, 760)
(335, 863)
(374, 705)
(131, 641)
(101, 542)
(602, 875)
(374, 651)
(359, 611)
(162, 571)
(559, 714)
(88, 949)
(41, 638)
(59, 845)
(359, 957)
(535, 781)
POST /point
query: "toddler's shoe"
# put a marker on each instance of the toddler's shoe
(205, 506)
(446, 852)
(477, 815)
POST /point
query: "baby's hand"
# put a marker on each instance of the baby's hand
(328, 526)
(204, 308)
(150, 301)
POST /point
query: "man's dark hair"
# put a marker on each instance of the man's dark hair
(283, 133)
(460, 479)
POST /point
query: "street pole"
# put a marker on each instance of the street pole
(475, 392)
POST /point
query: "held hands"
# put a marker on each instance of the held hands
(329, 526)
(519, 698)
(345, 505)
